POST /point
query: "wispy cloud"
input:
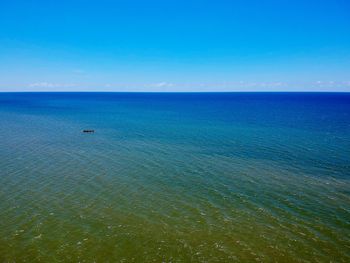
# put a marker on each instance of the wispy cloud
(331, 84)
(51, 85)
(161, 85)
(317, 85)
(204, 86)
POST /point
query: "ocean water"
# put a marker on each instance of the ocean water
(175, 177)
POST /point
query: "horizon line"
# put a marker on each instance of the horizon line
(105, 91)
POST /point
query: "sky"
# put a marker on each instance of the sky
(182, 45)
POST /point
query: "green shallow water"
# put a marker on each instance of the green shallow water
(156, 185)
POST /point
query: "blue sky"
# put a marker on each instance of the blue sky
(221, 45)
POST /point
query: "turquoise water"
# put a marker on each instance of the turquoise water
(175, 177)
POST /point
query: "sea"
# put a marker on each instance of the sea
(174, 177)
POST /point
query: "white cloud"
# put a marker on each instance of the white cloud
(162, 85)
(196, 86)
(331, 84)
(51, 85)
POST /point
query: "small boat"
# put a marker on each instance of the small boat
(88, 131)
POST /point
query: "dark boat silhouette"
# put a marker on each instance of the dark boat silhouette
(88, 131)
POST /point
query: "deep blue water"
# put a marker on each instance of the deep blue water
(303, 128)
